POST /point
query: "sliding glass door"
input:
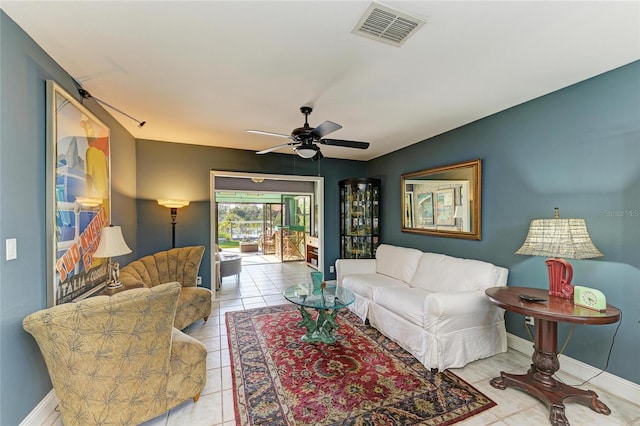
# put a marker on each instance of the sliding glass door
(296, 224)
(272, 221)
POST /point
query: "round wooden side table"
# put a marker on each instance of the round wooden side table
(539, 381)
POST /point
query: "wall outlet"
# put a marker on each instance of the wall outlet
(331, 269)
(528, 320)
(199, 281)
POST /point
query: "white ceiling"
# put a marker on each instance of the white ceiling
(202, 72)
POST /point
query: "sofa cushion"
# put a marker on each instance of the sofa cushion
(406, 302)
(440, 273)
(365, 284)
(397, 262)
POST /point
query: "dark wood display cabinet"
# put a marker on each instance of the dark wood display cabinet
(359, 218)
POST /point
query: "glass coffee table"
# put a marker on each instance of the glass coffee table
(327, 303)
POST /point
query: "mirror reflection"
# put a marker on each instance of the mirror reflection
(443, 201)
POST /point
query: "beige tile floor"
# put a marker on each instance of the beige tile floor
(262, 285)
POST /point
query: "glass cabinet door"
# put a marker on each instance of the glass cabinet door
(359, 218)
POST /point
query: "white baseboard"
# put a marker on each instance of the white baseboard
(42, 411)
(608, 382)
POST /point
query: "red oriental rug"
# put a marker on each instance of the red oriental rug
(362, 379)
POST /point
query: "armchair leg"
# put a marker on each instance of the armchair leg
(206, 318)
(196, 398)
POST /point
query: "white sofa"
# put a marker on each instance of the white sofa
(432, 305)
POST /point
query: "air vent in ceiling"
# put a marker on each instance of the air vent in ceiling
(387, 25)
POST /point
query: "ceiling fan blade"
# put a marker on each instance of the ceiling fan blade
(348, 144)
(274, 148)
(324, 129)
(262, 132)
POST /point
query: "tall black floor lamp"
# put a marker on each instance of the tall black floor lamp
(174, 205)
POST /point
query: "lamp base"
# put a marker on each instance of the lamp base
(114, 284)
(560, 275)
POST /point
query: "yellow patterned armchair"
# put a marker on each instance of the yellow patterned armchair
(177, 264)
(118, 360)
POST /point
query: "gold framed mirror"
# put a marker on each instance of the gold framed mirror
(443, 201)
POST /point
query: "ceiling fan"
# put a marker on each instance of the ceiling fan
(305, 139)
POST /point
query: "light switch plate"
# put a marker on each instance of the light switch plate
(12, 248)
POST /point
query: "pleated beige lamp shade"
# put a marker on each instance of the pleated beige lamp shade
(557, 238)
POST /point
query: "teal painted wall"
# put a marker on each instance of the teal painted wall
(24, 69)
(171, 170)
(577, 149)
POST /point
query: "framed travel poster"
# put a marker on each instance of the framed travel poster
(78, 197)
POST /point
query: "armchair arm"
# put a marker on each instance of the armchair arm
(451, 311)
(354, 266)
(187, 368)
(186, 348)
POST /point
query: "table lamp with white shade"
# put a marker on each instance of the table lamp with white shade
(112, 244)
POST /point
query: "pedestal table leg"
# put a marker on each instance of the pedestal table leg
(539, 380)
(321, 329)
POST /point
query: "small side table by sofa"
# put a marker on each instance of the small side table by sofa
(539, 380)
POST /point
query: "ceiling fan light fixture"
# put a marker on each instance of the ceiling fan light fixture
(306, 151)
